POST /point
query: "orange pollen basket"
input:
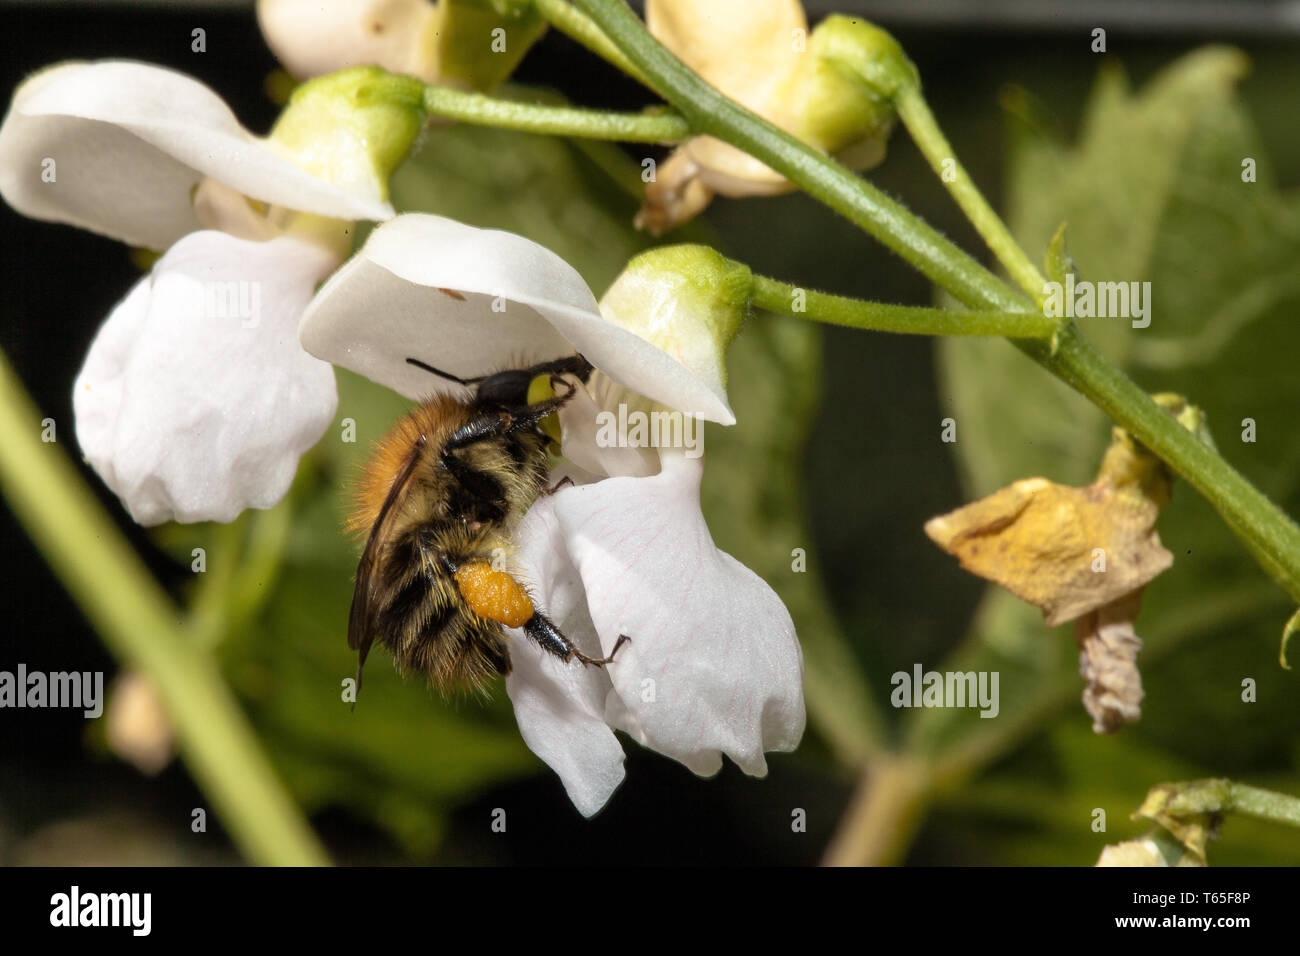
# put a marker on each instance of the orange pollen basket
(494, 594)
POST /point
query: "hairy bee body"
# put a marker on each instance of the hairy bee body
(438, 525)
(438, 502)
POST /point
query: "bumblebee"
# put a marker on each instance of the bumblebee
(437, 503)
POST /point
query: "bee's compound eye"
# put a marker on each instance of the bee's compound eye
(494, 594)
(540, 389)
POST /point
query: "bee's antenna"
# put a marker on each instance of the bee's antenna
(447, 375)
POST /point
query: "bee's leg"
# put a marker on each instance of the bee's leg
(550, 638)
(498, 424)
(488, 425)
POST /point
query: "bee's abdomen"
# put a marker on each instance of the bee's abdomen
(422, 618)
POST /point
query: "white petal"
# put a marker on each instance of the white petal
(196, 401)
(713, 665)
(560, 707)
(474, 301)
(588, 423)
(311, 39)
(129, 141)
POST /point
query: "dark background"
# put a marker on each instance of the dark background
(64, 801)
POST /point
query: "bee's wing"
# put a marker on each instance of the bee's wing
(360, 634)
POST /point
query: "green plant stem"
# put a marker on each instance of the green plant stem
(1266, 530)
(883, 814)
(1289, 631)
(1221, 796)
(776, 296)
(1263, 804)
(483, 110)
(921, 124)
(243, 564)
(709, 111)
(141, 627)
(573, 23)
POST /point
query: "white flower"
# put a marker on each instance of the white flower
(469, 301)
(129, 141)
(713, 666)
(195, 400)
(1155, 849)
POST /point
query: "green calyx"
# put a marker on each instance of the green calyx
(352, 128)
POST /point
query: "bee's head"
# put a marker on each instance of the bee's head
(509, 388)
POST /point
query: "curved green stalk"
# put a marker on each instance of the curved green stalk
(921, 124)
(776, 296)
(709, 111)
(884, 813)
(483, 110)
(142, 628)
(1271, 536)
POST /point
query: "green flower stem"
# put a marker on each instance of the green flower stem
(1266, 530)
(709, 111)
(142, 629)
(776, 296)
(883, 814)
(1270, 535)
(1289, 631)
(1197, 797)
(921, 124)
(244, 562)
(573, 23)
(482, 110)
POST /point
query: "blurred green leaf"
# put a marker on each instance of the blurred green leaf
(1152, 191)
(1039, 809)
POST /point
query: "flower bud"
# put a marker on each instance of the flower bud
(839, 97)
(867, 51)
(689, 300)
(351, 128)
(837, 94)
